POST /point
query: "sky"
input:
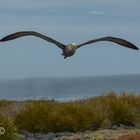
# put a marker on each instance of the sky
(68, 22)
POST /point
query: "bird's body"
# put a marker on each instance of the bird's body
(70, 49)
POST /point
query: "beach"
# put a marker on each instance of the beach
(107, 117)
(119, 133)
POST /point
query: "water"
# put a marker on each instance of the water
(67, 88)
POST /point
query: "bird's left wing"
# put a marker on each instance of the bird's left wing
(119, 41)
(27, 33)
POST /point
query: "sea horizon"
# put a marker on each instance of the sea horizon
(67, 88)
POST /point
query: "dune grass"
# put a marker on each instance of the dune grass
(9, 132)
(98, 112)
(89, 114)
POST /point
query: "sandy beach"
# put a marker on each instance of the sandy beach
(106, 134)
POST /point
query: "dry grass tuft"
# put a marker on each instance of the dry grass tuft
(89, 114)
(9, 128)
(98, 112)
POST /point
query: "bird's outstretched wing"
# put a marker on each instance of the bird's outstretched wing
(28, 33)
(119, 41)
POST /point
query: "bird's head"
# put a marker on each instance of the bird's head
(74, 46)
(71, 47)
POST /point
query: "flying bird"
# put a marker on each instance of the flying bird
(70, 49)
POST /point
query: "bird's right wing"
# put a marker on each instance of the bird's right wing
(28, 33)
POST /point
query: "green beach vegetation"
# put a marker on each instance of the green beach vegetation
(88, 114)
(7, 129)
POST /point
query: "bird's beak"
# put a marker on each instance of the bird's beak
(75, 47)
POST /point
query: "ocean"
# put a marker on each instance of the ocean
(68, 88)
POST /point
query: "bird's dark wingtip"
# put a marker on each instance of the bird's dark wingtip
(135, 48)
(3, 39)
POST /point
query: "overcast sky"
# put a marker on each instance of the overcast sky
(68, 22)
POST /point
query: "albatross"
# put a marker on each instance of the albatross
(70, 49)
